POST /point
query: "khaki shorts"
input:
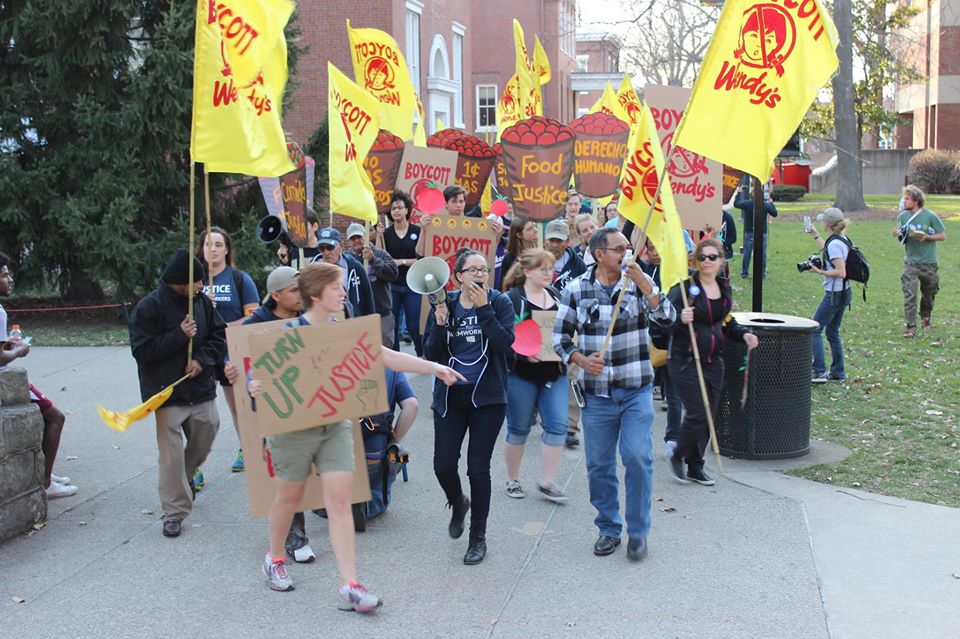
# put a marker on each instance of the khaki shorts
(328, 447)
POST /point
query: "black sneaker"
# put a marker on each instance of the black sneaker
(700, 477)
(572, 440)
(676, 467)
(406, 339)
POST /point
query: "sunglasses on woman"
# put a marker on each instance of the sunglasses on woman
(703, 257)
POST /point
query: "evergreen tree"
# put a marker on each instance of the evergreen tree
(94, 143)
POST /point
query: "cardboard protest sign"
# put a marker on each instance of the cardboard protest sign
(260, 486)
(731, 181)
(423, 168)
(696, 180)
(539, 160)
(315, 375)
(446, 234)
(546, 321)
(598, 152)
(500, 172)
(382, 164)
(289, 196)
(475, 159)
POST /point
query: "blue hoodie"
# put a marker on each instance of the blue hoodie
(496, 321)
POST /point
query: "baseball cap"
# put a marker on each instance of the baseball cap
(280, 278)
(831, 215)
(329, 236)
(557, 230)
(356, 229)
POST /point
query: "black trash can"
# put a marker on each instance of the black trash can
(775, 422)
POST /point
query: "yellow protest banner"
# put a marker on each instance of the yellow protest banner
(638, 184)
(250, 30)
(380, 68)
(763, 68)
(608, 103)
(236, 127)
(353, 121)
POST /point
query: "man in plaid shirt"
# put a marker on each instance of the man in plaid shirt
(617, 387)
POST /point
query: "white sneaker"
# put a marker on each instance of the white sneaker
(60, 480)
(59, 490)
(515, 490)
(304, 554)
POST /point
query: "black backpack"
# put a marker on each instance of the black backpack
(858, 268)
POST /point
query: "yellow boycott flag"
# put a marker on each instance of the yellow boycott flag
(250, 29)
(763, 68)
(630, 103)
(380, 68)
(440, 125)
(354, 122)
(236, 127)
(122, 421)
(541, 63)
(608, 103)
(638, 184)
(527, 81)
(419, 134)
(509, 108)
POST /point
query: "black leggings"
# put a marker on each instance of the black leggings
(694, 431)
(484, 424)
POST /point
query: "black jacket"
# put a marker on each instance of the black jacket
(573, 269)
(359, 291)
(160, 347)
(384, 271)
(711, 329)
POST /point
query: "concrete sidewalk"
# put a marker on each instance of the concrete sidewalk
(759, 555)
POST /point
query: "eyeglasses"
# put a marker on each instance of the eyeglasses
(473, 270)
(323, 248)
(713, 257)
(616, 249)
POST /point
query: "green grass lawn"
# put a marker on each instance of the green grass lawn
(897, 410)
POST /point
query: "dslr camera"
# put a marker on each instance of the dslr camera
(813, 260)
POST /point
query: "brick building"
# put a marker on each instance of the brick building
(931, 105)
(460, 55)
(598, 62)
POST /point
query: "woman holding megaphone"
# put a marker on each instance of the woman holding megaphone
(470, 331)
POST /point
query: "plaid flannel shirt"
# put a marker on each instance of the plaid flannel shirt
(586, 309)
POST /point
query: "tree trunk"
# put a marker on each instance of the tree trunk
(849, 169)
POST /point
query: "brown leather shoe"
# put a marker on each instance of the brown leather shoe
(172, 527)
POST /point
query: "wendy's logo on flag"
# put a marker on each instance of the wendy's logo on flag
(648, 185)
(767, 37)
(378, 75)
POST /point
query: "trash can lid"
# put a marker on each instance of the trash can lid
(775, 322)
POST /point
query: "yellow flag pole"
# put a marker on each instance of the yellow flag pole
(193, 207)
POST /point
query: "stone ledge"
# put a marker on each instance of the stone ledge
(20, 429)
(19, 515)
(20, 473)
(14, 386)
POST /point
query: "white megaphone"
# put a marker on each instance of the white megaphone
(428, 276)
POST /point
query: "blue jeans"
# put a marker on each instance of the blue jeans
(674, 406)
(525, 397)
(406, 303)
(626, 416)
(829, 315)
(748, 251)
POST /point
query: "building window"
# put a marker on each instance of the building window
(486, 107)
(568, 31)
(413, 44)
(583, 63)
(458, 79)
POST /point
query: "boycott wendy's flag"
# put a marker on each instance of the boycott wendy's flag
(250, 29)
(236, 125)
(380, 68)
(354, 121)
(763, 68)
(638, 184)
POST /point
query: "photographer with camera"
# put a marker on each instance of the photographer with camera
(919, 230)
(837, 293)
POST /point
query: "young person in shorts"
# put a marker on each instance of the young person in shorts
(329, 447)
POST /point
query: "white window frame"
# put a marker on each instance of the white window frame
(459, 31)
(583, 62)
(412, 18)
(490, 128)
